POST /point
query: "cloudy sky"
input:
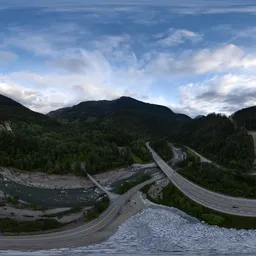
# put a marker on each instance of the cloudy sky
(193, 56)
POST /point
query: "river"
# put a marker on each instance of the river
(50, 197)
(61, 197)
(164, 231)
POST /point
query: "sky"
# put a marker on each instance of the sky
(195, 57)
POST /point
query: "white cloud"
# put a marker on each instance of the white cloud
(7, 58)
(180, 36)
(50, 41)
(221, 59)
(226, 94)
(28, 97)
(90, 76)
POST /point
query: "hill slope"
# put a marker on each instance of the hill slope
(216, 137)
(246, 117)
(98, 135)
(125, 112)
(12, 110)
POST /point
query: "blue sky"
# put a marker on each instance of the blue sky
(195, 57)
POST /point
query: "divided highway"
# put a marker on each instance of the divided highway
(207, 198)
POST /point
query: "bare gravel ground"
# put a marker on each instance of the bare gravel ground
(43, 180)
(133, 207)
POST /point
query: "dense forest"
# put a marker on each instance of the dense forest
(127, 113)
(96, 136)
(41, 143)
(232, 182)
(246, 117)
(69, 149)
(216, 137)
(162, 148)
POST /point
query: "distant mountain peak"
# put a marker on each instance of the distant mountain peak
(199, 116)
(125, 111)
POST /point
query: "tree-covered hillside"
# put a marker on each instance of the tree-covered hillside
(216, 137)
(125, 112)
(97, 137)
(11, 110)
(246, 117)
(68, 149)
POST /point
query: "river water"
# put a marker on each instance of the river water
(164, 231)
(50, 197)
(60, 197)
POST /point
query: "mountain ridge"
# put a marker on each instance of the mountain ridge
(125, 111)
(13, 110)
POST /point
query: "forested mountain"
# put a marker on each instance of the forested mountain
(125, 112)
(12, 110)
(246, 117)
(215, 136)
(199, 116)
(55, 114)
(96, 136)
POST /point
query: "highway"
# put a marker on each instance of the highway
(207, 198)
(59, 239)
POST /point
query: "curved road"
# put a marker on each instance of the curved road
(59, 238)
(215, 201)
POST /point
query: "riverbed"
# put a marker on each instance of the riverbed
(63, 197)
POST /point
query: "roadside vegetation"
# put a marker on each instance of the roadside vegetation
(173, 197)
(125, 186)
(97, 209)
(162, 148)
(13, 226)
(217, 179)
(217, 138)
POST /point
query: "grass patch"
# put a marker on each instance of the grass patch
(136, 159)
(97, 209)
(64, 213)
(125, 186)
(9, 225)
(175, 198)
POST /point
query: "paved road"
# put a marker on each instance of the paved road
(59, 238)
(215, 201)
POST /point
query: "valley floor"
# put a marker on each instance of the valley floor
(134, 206)
(52, 181)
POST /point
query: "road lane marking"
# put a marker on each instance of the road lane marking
(60, 236)
(188, 185)
(125, 196)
